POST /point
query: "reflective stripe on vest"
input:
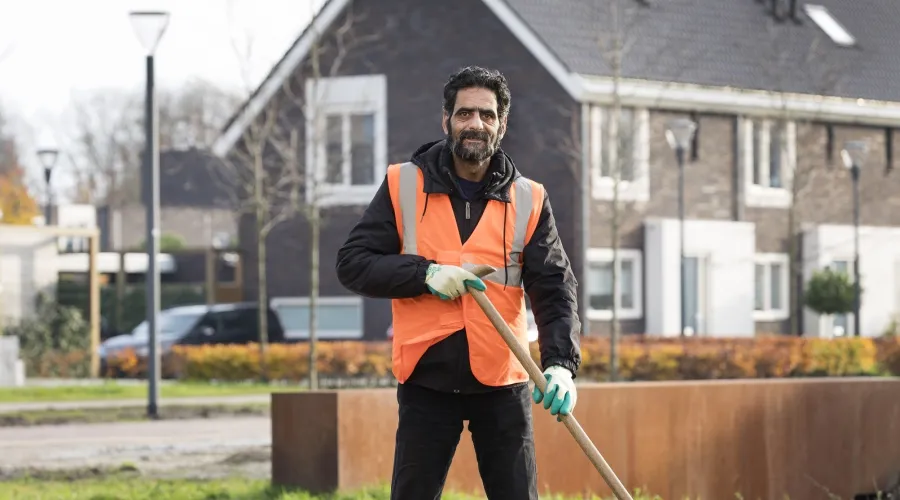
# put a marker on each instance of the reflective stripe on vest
(524, 203)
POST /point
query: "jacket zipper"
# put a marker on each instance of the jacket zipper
(459, 366)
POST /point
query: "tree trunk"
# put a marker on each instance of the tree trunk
(314, 229)
(262, 285)
(794, 269)
(617, 173)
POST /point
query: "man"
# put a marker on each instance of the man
(460, 202)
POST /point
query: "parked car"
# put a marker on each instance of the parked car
(196, 325)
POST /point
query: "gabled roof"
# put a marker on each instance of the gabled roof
(729, 43)
(711, 44)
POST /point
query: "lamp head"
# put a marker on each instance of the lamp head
(680, 132)
(149, 27)
(48, 157)
(854, 153)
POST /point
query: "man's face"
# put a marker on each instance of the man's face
(475, 129)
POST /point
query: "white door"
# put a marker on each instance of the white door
(843, 323)
(897, 289)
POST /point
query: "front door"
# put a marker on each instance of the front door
(695, 300)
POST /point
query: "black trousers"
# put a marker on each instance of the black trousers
(430, 426)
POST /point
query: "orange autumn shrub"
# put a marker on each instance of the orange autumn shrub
(640, 358)
(888, 349)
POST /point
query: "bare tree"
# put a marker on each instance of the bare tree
(265, 172)
(106, 128)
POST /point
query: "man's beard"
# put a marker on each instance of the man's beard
(472, 152)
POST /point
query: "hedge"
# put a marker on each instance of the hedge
(641, 358)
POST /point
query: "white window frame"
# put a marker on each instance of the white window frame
(605, 255)
(303, 333)
(769, 314)
(343, 95)
(757, 195)
(603, 187)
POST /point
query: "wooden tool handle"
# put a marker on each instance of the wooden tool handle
(537, 377)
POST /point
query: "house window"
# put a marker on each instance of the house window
(349, 149)
(338, 317)
(346, 140)
(600, 289)
(769, 156)
(620, 147)
(771, 287)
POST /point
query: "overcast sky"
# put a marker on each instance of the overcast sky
(50, 48)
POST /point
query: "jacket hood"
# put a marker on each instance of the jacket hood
(436, 162)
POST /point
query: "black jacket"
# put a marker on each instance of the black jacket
(370, 264)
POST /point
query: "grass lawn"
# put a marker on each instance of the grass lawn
(229, 489)
(114, 390)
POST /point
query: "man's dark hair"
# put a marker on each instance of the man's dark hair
(475, 76)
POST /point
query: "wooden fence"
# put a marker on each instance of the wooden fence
(763, 439)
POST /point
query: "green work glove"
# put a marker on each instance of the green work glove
(450, 282)
(561, 394)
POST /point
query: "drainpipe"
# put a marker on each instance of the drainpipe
(585, 215)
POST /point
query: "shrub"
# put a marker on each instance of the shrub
(830, 292)
(888, 349)
(54, 342)
(641, 358)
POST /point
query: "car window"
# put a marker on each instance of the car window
(239, 326)
(170, 324)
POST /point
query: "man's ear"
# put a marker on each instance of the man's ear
(502, 129)
(444, 118)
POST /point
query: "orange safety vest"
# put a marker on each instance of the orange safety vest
(422, 321)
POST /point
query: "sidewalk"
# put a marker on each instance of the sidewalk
(119, 403)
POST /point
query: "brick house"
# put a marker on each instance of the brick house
(774, 87)
(194, 204)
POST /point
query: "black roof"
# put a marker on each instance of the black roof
(192, 178)
(728, 43)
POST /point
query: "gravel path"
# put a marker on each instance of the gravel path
(201, 448)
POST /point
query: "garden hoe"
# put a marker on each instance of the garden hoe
(538, 378)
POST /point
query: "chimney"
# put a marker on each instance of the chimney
(794, 15)
(775, 7)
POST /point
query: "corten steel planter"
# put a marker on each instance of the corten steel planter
(707, 439)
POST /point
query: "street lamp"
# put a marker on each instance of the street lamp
(854, 156)
(47, 156)
(149, 27)
(679, 134)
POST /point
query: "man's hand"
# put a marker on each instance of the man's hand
(561, 394)
(450, 282)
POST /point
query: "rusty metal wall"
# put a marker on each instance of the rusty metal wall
(707, 439)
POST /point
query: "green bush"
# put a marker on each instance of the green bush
(830, 292)
(54, 342)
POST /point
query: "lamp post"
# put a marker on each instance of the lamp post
(679, 134)
(149, 27)
(854, 156)
(48, 160)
